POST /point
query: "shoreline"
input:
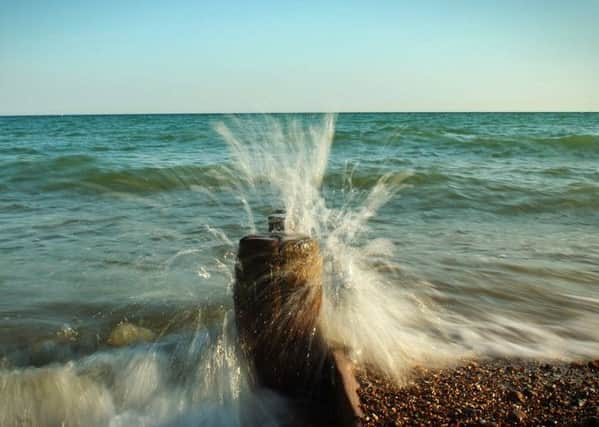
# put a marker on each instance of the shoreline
(488, 392)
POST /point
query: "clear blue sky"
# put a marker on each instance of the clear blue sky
(235, 56)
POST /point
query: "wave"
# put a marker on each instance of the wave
(440, 189)
(578, 141)
(515, 144)
(583, 196)
(84, 173)
(550, 188)
(510, 142)
(428, 187)
(362, 178)
(27, 171)
(146, 180)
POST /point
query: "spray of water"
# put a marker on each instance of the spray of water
(284, 161)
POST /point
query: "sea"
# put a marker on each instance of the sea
(444, 236)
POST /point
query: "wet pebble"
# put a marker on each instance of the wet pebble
(515, 396)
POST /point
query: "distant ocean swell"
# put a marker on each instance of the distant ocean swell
(84, 173)
(506, 144)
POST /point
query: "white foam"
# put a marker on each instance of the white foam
(190, 380)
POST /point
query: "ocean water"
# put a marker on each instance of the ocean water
(443, 235)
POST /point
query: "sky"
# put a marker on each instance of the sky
(128, 56)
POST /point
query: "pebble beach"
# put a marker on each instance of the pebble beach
(486, 393)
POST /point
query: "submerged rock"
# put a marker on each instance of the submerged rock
(126, 333)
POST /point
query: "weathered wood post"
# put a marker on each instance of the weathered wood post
(278, 296)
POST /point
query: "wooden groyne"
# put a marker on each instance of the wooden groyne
(278, 296)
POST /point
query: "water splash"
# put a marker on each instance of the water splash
(385, 316)
(285, 160)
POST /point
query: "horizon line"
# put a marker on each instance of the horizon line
(302, 112)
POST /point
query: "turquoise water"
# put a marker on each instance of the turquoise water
(486, 242)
